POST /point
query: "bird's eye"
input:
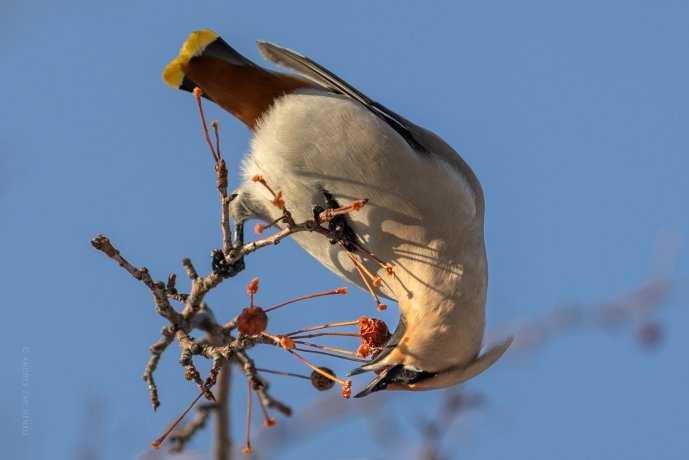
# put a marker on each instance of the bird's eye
(408, 374)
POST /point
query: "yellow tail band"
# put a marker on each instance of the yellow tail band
(194, 45)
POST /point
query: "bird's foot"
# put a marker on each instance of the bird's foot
(339, 229)
(222, 268)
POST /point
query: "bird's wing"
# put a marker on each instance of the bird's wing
(287, 58)
(419, 139)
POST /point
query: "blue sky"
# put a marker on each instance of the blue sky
(574, 115)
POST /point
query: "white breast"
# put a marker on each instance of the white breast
(421, 211)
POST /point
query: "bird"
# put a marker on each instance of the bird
(324, 143)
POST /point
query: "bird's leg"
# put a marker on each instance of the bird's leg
(316, 211)
(219, 264)
(330, 202)
(239, 234)
(339, 229)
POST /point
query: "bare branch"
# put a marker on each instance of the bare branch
(157, 350)
(157, 288)
(225, 343)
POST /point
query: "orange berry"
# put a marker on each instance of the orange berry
(347, 389)
(252, 287)
(287, 343)
(269, 422)
(278, 201)
(257, 178)
(341, 290)
(259, 228)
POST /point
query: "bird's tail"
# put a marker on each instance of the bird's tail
(201, 43)
(227, 78)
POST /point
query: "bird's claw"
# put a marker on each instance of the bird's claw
(340, 231)
(222, 268)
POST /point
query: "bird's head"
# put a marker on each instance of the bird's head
(399, 368)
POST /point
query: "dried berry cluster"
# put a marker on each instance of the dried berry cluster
(374, 335)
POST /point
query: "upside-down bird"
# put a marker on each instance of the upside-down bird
(323, 143)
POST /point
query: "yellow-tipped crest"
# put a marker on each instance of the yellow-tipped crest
(194, 45)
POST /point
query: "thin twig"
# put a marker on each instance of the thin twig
(157, 288)
(157, 350)
(181, 436)
(222, 444)
(260, 385)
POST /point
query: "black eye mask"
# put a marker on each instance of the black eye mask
(395, 374)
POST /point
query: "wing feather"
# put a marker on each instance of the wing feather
(315, 72)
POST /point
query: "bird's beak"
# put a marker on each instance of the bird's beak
(377, 384)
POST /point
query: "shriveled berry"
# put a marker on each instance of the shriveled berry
(252, 321)
(374, 332)
(320, 382)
